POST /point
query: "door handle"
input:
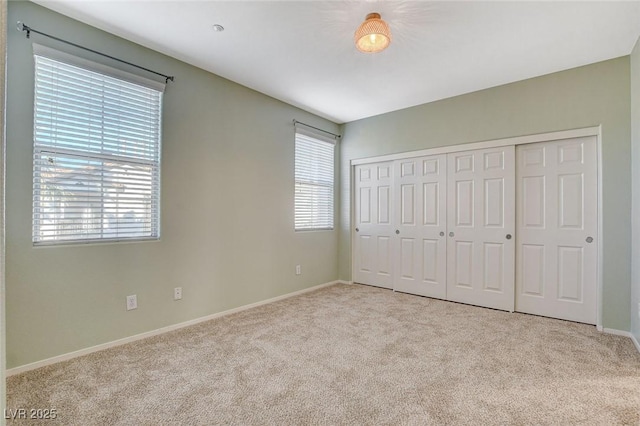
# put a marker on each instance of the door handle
(397, 231)
(357, 230)
(589, 240)
(508, 236)
(442, 233)
(451, 234)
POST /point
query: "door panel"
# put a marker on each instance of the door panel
(384, 255)
(493, 203)
(365, 205)
(570, 273)
(373, 241)
(463, 264)
(430, 261)
(570, 201)
(494, 267)
(407, 205)
(481, 213)
(557, 212)
(533, 198)
(364, 253)
(407, 261)
(384, 205)
(430, 204)
(421, 261)
(464, 203)
(532, 269)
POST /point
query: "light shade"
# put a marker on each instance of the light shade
(373, 35)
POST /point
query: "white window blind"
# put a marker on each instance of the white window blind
(314, 181)
(96, 164)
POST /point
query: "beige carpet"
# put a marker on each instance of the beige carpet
(350, 354)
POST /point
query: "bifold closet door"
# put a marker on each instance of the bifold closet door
(481, 224)
(557, 229)
(374, 242)
(420, 217)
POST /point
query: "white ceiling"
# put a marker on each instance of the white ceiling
(302, 52)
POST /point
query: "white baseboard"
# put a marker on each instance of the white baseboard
(102, 346)
(616, 332)
(625, 334)
(635, 342)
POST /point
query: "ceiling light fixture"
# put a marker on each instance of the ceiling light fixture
(218, 28)
(373, 35)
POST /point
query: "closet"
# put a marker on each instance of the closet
(510, 227)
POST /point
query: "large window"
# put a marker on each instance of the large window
(314, 181)
(96, 162)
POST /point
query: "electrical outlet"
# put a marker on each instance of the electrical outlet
(132, 302)
(298, 270)
(177, 293)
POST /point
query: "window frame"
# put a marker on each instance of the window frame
(119, 164)
(315, 136)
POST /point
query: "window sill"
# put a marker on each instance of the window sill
(77, 243)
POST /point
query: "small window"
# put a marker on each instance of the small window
(314, 181)
(96, 162)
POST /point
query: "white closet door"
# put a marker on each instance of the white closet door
(374, 242)
(481, 223)
(420, 213)
(557, 227)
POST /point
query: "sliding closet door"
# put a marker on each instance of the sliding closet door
(481, 224)
(420, 213)
(373, 237)
(557, 227)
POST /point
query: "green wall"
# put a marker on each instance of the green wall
(581, 97)
(227, 211)
(635, 212)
